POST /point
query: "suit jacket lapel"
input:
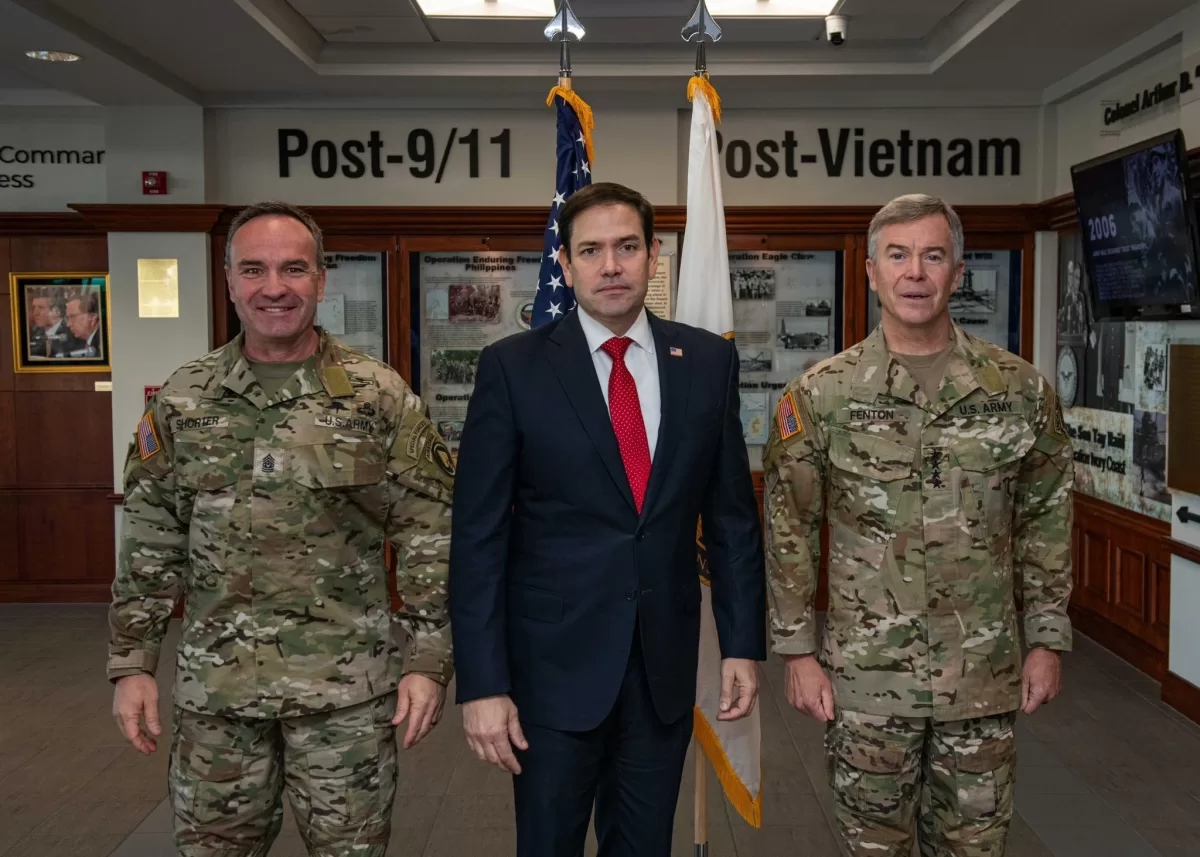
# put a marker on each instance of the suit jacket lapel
(572, 363)
(674, 382)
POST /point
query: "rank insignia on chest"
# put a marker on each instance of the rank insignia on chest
(147, 437)
(268, 463)
(787, 417)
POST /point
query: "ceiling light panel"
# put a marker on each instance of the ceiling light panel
(52, 56)
(771, 8)
(487, 8)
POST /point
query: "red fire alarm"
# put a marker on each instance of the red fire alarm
(154, 182)
(150, 391)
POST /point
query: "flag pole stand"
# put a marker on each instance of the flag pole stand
(700, 818)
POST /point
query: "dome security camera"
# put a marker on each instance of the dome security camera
(835, 29)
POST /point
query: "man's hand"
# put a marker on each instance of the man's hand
(1041, 680)
(135, 696)
(808, 688)
(420, 699)
(492, 728)
(739, 688)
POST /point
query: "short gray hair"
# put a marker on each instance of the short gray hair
(915, 206)
(278, 209)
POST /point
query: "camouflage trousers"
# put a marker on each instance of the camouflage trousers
(227, 777)
(949, 785)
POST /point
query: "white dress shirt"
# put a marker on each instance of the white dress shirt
(639, 359)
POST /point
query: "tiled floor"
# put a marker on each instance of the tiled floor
(1105, 771)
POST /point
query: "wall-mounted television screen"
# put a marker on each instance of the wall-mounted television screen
(1138, 221)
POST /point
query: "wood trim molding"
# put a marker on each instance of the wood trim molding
(1184, 550)
(115, 499)
(1143, 525)
(477, 220)
(16, 592)
(1060, 213)
(1120, 642)
(45, 223)
(1182, 695)
(151, 218)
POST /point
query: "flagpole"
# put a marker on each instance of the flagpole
(700, 808)
(698, 27)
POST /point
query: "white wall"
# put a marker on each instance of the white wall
(68, 133)
(147, 350)
(164, 138)
(1081, 130)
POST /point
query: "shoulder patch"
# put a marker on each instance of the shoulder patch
(788, 417)
(147, 437)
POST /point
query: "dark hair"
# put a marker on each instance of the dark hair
(604, 193)
(281, 209)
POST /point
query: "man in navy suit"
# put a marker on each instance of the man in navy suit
(591, 448)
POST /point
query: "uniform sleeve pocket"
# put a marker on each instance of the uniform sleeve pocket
(872, 457)
(340, 464)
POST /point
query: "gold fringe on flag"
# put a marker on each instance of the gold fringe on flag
(749, 806)
(586, 122)
(710, 95)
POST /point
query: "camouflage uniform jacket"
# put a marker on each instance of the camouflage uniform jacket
(938, 509)
(269, 517)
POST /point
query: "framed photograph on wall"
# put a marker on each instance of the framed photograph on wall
(60, 322)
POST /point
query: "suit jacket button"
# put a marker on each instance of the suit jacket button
(641, 535)
(630, 595)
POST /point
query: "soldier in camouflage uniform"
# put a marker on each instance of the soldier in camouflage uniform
(943, 467)
(261, 486)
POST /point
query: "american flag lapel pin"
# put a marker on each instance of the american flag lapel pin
(676, 352)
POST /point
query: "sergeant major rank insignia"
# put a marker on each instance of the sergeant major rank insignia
(787, 417)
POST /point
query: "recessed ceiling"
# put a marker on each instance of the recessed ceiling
(362, 52)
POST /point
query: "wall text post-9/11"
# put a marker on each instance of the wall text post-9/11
(354, 158)
(845, 151)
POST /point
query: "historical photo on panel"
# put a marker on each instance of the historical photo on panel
(821, 308)
(472, 303)
(752, 358)
(1106, 367)
(1150, 456)
(976, 294)
(752, 284)
(1151, 369)
(802, 334)
(1072, 303)
(455, 366)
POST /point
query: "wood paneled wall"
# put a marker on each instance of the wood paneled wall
(1122, 596)
(56, 523)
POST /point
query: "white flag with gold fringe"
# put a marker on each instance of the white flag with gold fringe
(705, 301)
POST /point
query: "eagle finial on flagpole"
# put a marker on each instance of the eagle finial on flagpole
(562, 26)
(700, 26)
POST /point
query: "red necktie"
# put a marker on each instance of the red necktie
(626, 412)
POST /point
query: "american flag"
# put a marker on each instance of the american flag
(554, 298)
(789, 423)
(147, 438)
